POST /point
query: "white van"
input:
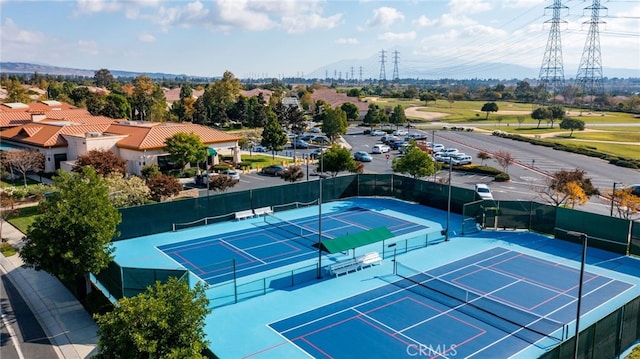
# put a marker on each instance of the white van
(483, 191)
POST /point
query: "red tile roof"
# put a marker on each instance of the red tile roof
(336, 99)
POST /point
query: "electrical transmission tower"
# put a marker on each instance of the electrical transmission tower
(589, 77)
(396, 77)
(552, 71)
(360, 74)
(383, 74)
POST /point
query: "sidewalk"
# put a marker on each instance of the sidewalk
(69, 327)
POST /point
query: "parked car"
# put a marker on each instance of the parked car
(259, 149)
(404, 147)
(306, 137)
(386, 138)
(397, 144)
(315, 130)
(299, 144)
(418, 136)
(362, 156)
(483, 191)
(437, 147)
(232, 173)
(380, 149)
(400, 133)
(378, 133)
(320, 139)
(460, 159)
(273, 170)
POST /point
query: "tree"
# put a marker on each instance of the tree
(150, 171)
(557, 112)
(221, 183)
(103, 162)
(334, 122)
(504, 159)
(541, 113)
(15, 91)
(23, 162)
(72, 236)
(557, 190)
(371, 118)
(351, 110)
(575, 194)
(127, 192)
(166, 321)
(292, 174)
(398, 116)
(520, 120)
(337, 159)
(185, 148)
(103, 78)
(163, 186)
(415, 162)
(483, 156)
(572, 124)
(273, 136)
(626, 203)
(489, 107)
(116, 106)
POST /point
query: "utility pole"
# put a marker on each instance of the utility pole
(552, 70)
(589, 77)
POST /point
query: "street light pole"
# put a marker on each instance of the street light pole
(583, 237)
(613, 196)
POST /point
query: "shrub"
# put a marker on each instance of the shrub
(502, 177)
(220, 168)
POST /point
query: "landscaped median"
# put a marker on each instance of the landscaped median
(498, 175)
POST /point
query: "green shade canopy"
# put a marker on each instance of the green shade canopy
(212, 152)
(356, 240)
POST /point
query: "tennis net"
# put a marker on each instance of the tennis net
(291, 228)
(518, 322)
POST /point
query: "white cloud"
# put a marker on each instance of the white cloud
(469, 6)
(384, 17)
(347, 41)
(12, 33)
(394, 36)
(146, 38)
(298, 24)
(97, 6)
(424, 21)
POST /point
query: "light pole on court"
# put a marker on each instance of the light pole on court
(584, 238)
(319, 274)
(446, 233)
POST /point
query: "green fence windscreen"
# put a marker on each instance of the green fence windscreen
(136, 280)
(604, 232)
(634, 248)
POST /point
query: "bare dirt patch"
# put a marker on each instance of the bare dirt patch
(425, 115)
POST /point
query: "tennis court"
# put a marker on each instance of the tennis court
(490, 305)
(275, 242)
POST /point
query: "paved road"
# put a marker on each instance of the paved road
(21, 336)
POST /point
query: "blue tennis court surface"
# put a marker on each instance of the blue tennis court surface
(447, 311)
(274, 243)
(434, 303)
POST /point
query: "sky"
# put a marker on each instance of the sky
(310, 38)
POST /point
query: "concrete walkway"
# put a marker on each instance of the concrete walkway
(67, 324)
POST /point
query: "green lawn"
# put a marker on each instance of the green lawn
(23, 218)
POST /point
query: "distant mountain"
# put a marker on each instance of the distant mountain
(430, 69)
(28, 68)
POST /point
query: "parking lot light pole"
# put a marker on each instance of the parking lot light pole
(319, 276)
(613, 196)
(446, 235)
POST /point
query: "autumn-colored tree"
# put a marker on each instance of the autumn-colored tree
(627, 204)
(221, 183)
(557, 191)
(163, 186)
(103, 162)
(575, 194)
